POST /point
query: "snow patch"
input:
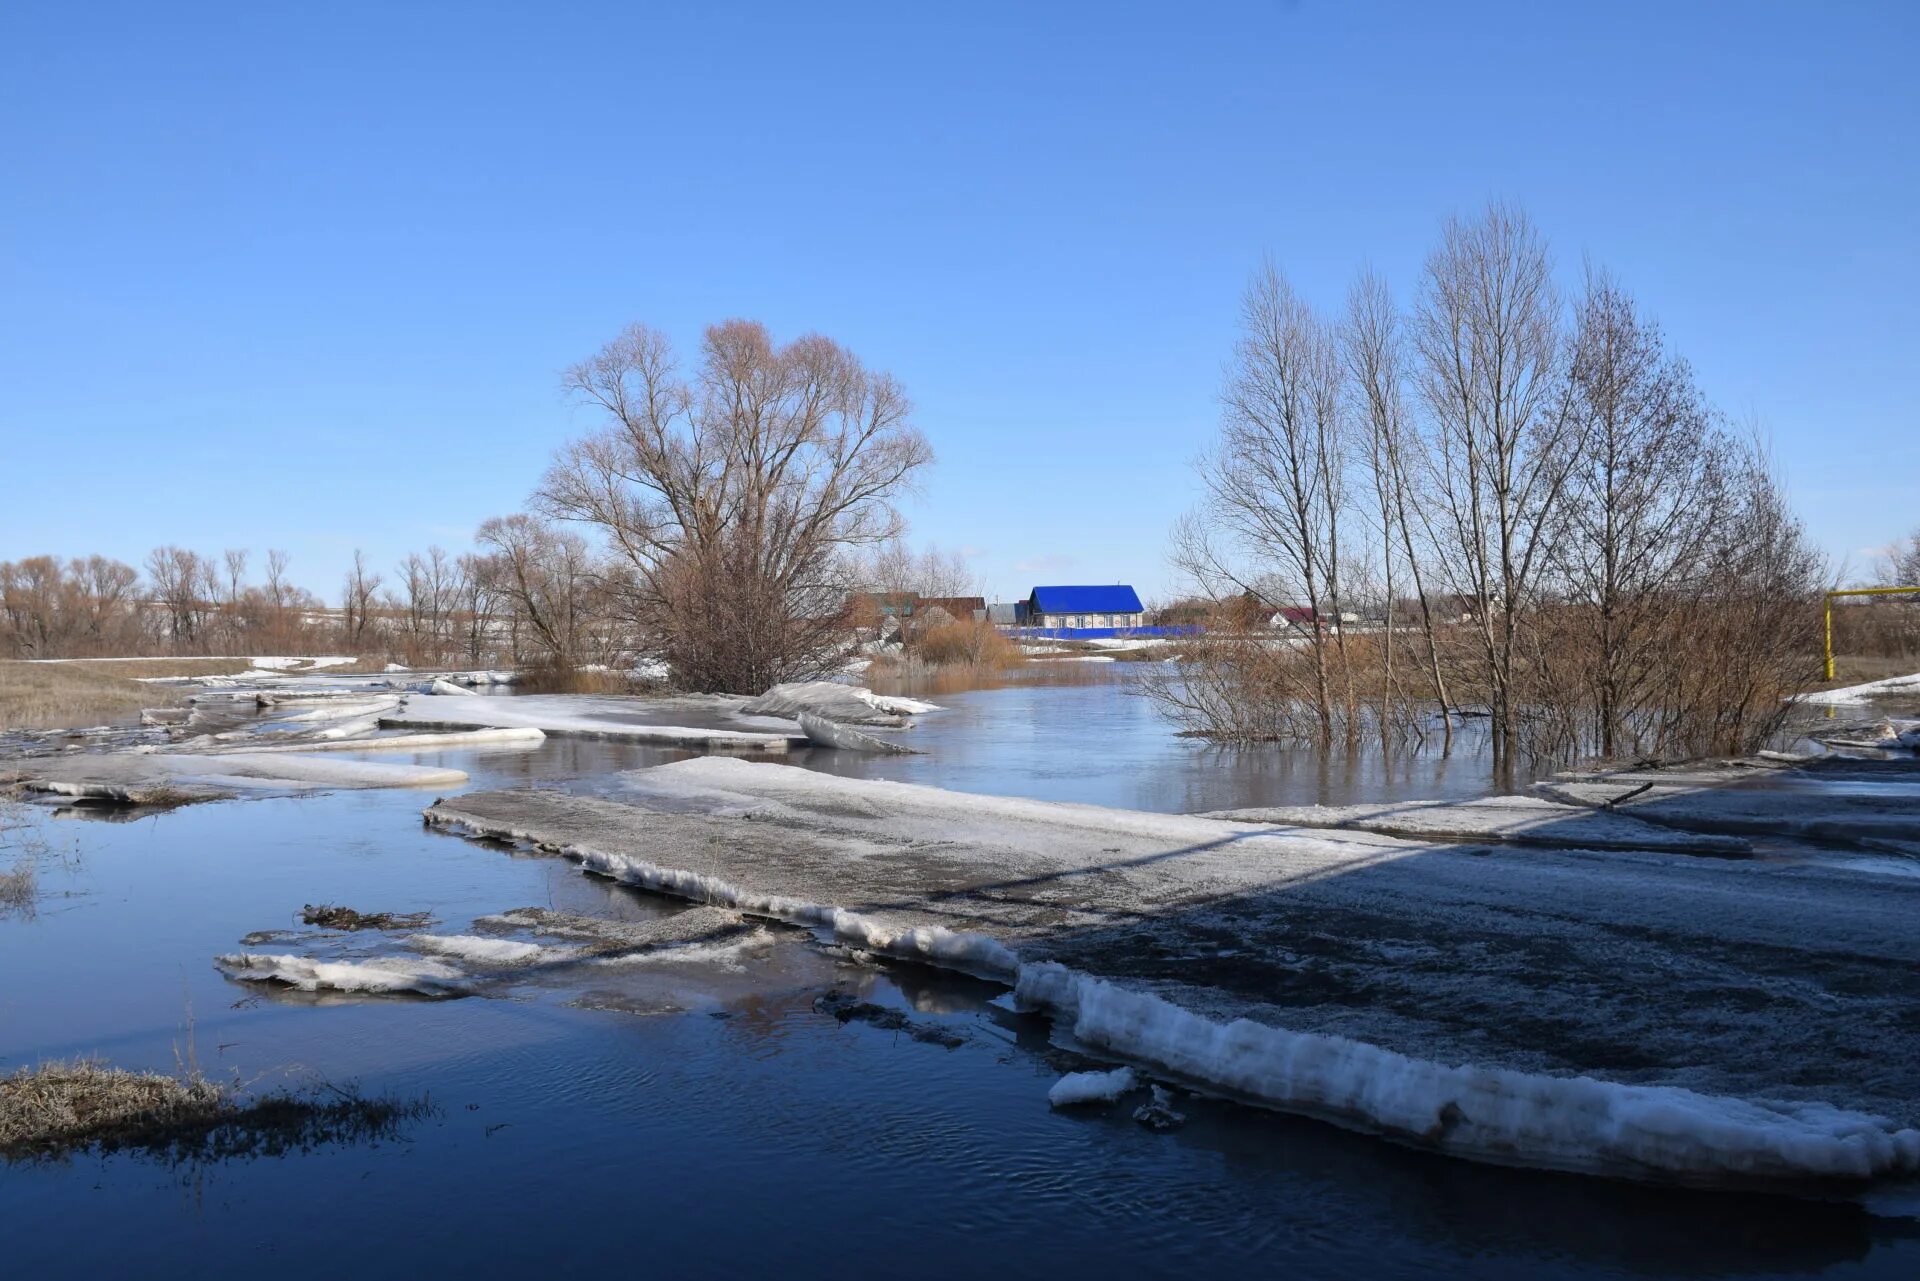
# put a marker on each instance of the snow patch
(1864, 693)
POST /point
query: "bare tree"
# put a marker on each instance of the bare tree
(1269, 524)
(357, 596)
(545, 577)
(1375, 362)
(735, 497)
(477, 598)
(182, 582)
(1503, 440)
(1902, 568)
(1646, 498)
(893, 567)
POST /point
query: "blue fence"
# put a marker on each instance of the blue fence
(1098, 633)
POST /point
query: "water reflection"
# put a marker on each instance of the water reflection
(1080, 732)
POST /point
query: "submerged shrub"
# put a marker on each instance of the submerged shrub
(975, 644)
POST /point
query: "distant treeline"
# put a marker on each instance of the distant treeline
(529, 593)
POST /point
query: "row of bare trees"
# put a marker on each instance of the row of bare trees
(1496, 500)
(529, 593)
(736, 507)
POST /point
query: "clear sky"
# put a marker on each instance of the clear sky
(304, 275)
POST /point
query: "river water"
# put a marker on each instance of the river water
(708, 1119)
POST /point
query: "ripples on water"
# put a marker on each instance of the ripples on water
(751, 1133)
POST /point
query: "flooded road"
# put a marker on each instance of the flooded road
(719, 1119)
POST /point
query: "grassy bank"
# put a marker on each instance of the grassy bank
(66, 695)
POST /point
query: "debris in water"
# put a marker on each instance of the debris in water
(848, 1008)
(332, 916)
(1157, 1113)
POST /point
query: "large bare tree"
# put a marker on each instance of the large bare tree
(736, 496)
(1269, 527)
(1502, 438)
(1648, 495)
(1373, 346)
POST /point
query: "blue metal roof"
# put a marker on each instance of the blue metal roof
(1113, 599)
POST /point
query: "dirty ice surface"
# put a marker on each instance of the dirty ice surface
(1259, 960)
(1520, 820)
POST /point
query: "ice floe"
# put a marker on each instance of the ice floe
(822, 732)
(578, 716)
(158, 777)
(1092, 1087)
(845, 704)
(386, 975)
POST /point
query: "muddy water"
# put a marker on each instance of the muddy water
(703, 1120)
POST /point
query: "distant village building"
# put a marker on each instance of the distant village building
(1117, 606)
(962, 609)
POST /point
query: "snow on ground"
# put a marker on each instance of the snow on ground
(1092, 1087)
(385, 975)
(1851, 694)
(284, 664)
(268, 663)
(1130, 642)
(1629, 1013)
(1519, 820)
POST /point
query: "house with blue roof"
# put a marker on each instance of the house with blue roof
(1115, 607)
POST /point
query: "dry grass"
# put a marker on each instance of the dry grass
(61, 1108)
(138, 668)
(976, 644)
(546, 678)
(19, 889)
(64, 695)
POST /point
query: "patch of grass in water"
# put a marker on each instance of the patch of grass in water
(64, 1108)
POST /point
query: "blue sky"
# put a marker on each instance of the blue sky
(305, 275)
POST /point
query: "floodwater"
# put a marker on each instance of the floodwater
(1082, 734)
(707, 1119)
